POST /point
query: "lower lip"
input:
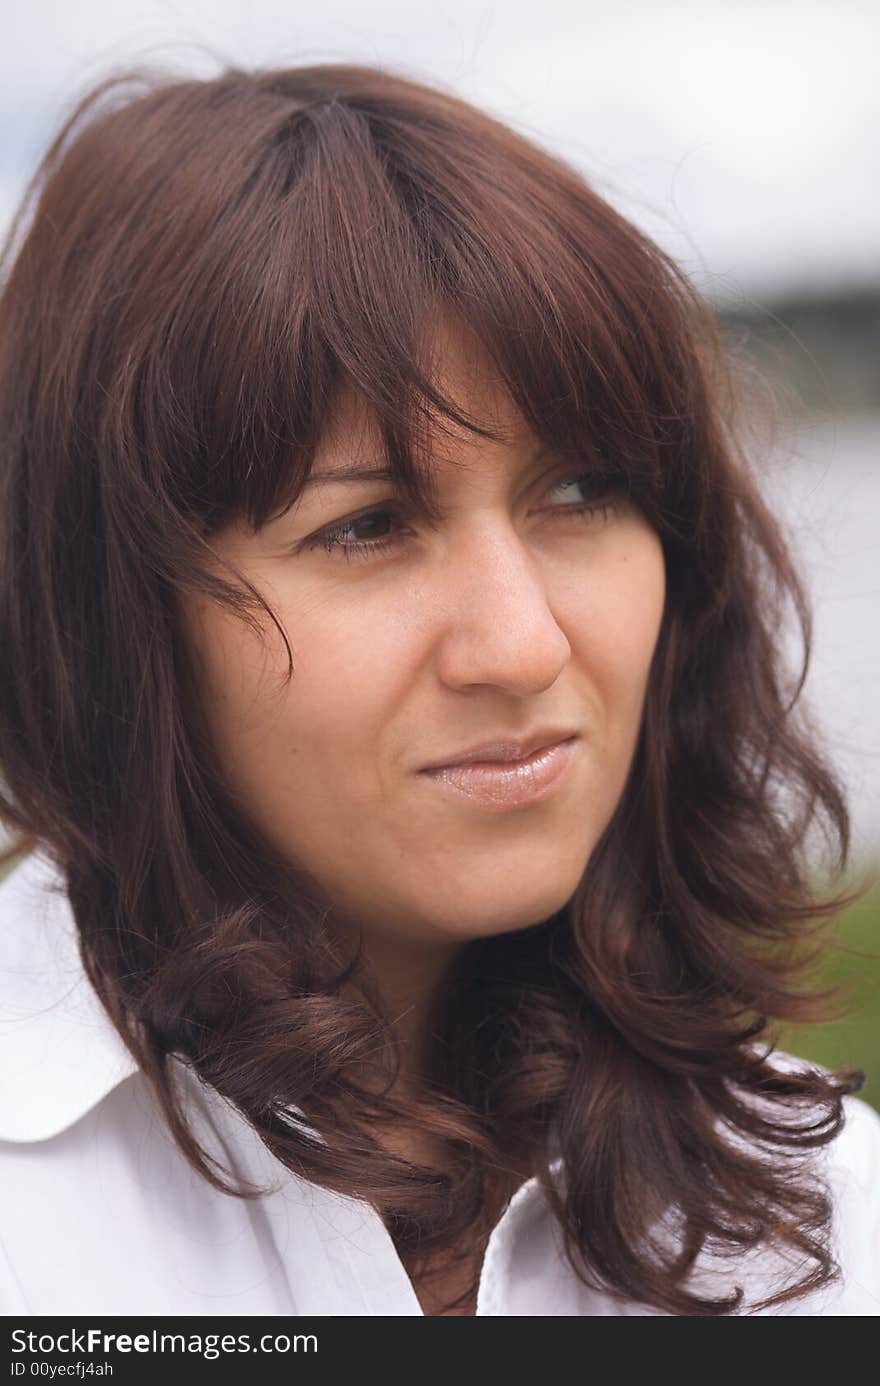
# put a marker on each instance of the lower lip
(502, 785)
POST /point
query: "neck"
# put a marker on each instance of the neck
(411, 979)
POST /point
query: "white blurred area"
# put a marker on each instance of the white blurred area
(825, 481)
(742, 136)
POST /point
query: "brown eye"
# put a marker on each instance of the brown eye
(334, 538)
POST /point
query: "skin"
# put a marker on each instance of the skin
(513, 612)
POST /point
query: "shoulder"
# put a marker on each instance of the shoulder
(853, 1170)
(852, 1158)
(849, 1169)
(99, 1210)
(855, 1154)
(59, 1052)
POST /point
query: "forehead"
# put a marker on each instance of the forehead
(462, 372)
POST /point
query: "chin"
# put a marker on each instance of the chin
(520, 915)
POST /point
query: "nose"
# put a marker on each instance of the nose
(499, 628)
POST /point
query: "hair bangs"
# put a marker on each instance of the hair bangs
(345, 246)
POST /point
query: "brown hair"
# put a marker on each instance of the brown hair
(207, 262)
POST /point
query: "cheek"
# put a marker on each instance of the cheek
(342, 648)
(226, 661)
(241, 696)
(617, 626)
(322, 723)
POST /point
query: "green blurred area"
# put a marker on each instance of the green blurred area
(854, 1040)
(854, 960)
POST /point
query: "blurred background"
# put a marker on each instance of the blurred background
(743, 138)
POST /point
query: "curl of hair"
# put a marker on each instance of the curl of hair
(207, 263)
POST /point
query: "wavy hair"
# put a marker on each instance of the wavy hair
(205, 263)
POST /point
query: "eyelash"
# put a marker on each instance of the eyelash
(330, 539)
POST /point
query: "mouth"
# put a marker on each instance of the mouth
(507, 750)
(509, 784)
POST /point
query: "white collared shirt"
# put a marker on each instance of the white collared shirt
(101, 1214)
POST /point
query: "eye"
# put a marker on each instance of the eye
(603, 489)
(334, 537)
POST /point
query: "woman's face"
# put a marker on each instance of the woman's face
(515, 613)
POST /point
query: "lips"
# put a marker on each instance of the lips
(500, 786)
(505, 750)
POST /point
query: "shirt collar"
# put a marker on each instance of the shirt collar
(59, 1052)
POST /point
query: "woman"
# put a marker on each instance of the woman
(417, 801)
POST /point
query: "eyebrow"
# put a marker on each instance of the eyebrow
(380, 472)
